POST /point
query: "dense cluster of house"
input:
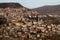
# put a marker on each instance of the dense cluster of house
(25, 24)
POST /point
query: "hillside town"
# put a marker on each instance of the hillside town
(25, 24)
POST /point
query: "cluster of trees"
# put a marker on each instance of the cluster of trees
(3, 20)
(52, 20)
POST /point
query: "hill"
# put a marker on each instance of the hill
(52, 9)
(11, 5)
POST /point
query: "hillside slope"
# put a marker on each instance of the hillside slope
(52, 9)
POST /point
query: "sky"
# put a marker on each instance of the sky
(34, 3)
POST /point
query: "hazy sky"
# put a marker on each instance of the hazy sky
(34, 3)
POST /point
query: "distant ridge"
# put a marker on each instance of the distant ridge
(12, 5)
(52, 9)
